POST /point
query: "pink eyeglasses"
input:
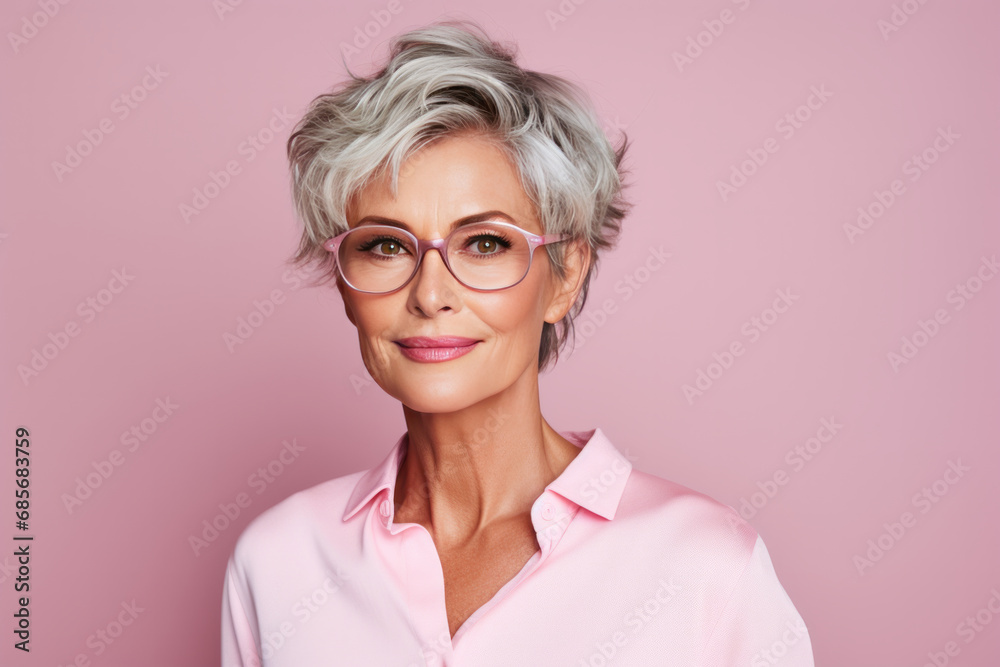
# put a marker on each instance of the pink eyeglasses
(486, 256)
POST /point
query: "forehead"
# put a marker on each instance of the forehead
(453, 178)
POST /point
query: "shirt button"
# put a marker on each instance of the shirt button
(385, 509)
(547, 513)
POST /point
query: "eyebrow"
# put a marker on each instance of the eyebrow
(468, 220)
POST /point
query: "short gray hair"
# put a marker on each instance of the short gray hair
(449, 78)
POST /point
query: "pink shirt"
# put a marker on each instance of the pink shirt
(632, 570)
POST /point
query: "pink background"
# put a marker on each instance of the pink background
(299, 375)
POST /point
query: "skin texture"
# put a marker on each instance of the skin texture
(473, 494)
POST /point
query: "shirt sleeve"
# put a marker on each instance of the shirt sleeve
(239, 645)
(759, 626)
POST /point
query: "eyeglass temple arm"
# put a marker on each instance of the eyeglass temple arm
(549, 238)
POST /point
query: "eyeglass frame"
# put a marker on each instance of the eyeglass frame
(441, 245)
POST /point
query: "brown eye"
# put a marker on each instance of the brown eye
(487, 243)
(486, 246)
(386, 246)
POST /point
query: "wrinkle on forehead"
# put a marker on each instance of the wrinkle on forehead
(450, 179)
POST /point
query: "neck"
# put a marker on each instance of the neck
(488, 462)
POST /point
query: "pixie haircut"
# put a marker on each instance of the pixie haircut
(447, 79)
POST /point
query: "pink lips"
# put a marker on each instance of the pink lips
(443, 348)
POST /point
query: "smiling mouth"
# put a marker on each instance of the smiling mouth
(436, 349)
(436, 342)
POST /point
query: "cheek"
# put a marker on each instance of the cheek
(519, 342)
(372, 338)
(516, 321)
(379, 361)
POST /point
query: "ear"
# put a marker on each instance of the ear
(576, 261)
(347, 306)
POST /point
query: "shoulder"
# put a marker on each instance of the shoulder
(297, 519)
(688, 523)
(721, 567)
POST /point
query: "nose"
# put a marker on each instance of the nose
(432, 263)
(431, 289)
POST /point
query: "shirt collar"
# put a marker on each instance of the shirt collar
(594, 480)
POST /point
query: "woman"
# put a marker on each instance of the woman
(485, 537)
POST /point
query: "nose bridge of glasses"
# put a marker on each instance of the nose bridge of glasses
(427, 244)
(424, 245)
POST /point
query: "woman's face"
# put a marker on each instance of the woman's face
(451, 179)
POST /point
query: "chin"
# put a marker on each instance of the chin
(431, 397)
